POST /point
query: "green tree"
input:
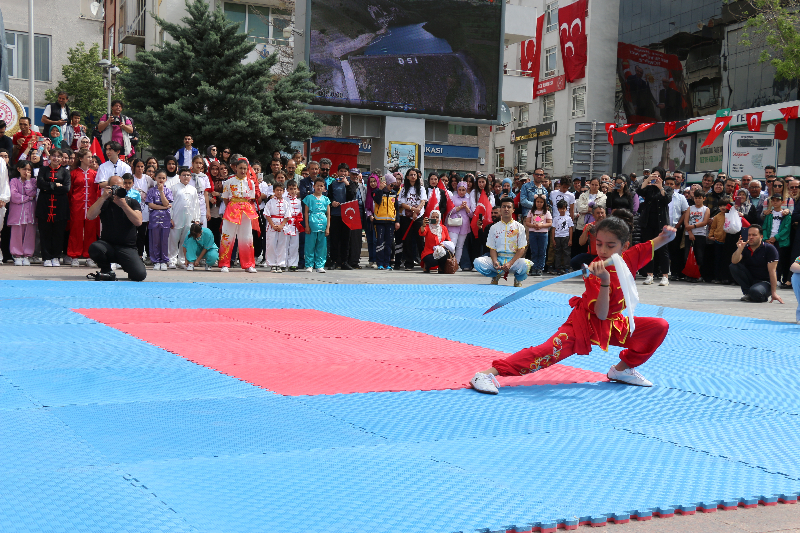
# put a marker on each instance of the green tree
(83, 82)
(776, 22)
(198, 85)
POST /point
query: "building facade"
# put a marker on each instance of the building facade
(57, 26)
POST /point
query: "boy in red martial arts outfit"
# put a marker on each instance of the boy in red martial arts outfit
(596, 317)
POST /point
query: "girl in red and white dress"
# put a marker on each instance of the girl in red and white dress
(239, 193)
(597, 316)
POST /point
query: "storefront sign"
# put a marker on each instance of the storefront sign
(540, 131)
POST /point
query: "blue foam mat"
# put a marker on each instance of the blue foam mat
(100, 431)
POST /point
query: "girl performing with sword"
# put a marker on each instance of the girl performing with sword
(596, 316)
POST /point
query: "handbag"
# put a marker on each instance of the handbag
(733, 222)
(451, 266)
(454, 220)
(691, 270)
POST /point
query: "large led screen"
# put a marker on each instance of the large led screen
(428, 57)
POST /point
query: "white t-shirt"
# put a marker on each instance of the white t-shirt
(696, 215)
(777, 218)
(109, 169)
(412, 199)
(562, 224)
(557, 195)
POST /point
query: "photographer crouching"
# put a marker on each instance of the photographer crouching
(119, 218)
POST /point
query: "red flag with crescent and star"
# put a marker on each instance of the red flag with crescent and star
(572, 35)
(640, 128)
(789, 112)
(351, 215)
(719, 126)
(484, 208)
(530, 54)
(754, 121)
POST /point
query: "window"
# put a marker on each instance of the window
(523, 116)
(579, 101)
(550, 64)
(546, 151)
(551, 17)
(262, 24)
(522, 158)
(571, 149)
(18, 58)
(548, 107)
(705, 95)
(499, 160)
(458, 129)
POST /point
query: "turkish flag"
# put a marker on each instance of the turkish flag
(754, 121)
(351, 215)
(669, 127)
(98, 150)
(433, 201)
(484, 208)
(719, 126)
(640, 128)
(531, 53)
(682, 128)
(572, 34)
(610, 127)
(789, 112)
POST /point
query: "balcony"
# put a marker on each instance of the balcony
(517, 88)
(134, 32)
(520, 23)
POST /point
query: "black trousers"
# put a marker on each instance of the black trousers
(104, 254)
(411, 244)
(429, 262)
(51, 237)
(660, 263)
(340, 240)
(677, 260)
(355, 247)
(142, 241)
(215, 225)
(699, 245)
(759, 291)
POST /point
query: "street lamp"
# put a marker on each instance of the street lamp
(111, 70)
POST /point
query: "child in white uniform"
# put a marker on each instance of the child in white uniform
(185, 210)
(293, 228)
(278, 215)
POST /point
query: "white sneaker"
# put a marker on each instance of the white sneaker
(18, 261)
(309, 269)
(47, 263)
(26, 261)
(172, 265)
(485, 383)
(75, 262)
(55, 262)
(664, 281)
(648, 280)
(630, 376)
(91, 264)
(372, 265)
(114, 266)
(189, 266)
(252, 270)
(278, 270)
(321, 270)
(224, 269)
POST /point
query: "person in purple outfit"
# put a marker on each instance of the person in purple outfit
(159, 200)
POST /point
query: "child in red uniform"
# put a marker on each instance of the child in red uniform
(596, 317)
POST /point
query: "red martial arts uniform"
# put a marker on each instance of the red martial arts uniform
(583, 328)
(83, 192)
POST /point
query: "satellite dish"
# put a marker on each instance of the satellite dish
(97, 7)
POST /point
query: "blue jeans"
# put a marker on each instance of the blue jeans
(538, 249)
(796, 288)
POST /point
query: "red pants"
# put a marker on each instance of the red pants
(82, 233)
(649, 334)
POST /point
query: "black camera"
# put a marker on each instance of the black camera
(102, 276)
(119, 192)
(116, 121)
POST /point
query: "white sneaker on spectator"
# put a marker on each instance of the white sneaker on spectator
(252, 270)
(630, 376)
(745, 298)
(75, 262)
(485, 383)
(189, 266)
(279, 270)
(114, 266)
(47, 263)
(90, 263)
(664, 281)
(172, 265)
(309, 269)
(18, 261)
(26, 261)
(55, 262)
(648, 280)
(321, 270)
(223, 269)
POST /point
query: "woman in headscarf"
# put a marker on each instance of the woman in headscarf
(211, 155)
(54, 134)
(171, 166)
(217, 177)
(462, 211)
(373, 184)
(437, 243)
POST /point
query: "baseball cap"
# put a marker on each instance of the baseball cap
(355, 171)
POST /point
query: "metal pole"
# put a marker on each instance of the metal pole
(108, 71)
(31, 95)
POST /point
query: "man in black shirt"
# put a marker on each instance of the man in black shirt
(119, 218)
(5, 141)
(754, 266)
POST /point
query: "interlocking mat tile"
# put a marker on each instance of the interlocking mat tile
(213, 408)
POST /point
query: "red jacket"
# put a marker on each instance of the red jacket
(432, 240)
(83, 191)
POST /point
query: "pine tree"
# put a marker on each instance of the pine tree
(198, 85)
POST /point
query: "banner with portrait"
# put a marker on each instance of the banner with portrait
(672, 155)
(652, 85)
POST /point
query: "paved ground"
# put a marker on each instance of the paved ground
(680, 295)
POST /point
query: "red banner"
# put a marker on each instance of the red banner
(640, 128)
(683, 128)
(789, 112)
(484, 208)
(531, 53)
(550, 85)
(572, 34)
(719, 126)
(754, 121)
